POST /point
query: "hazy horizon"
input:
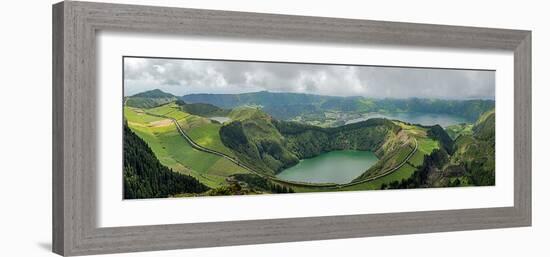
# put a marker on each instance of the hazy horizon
(252, 92)
(183, 77)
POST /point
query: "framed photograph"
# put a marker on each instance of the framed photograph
(183, 128)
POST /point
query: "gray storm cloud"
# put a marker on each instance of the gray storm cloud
(181, 77)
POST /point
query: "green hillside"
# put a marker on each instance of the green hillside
(271, 145)
(254, 145)
(174, 152)
(253, 137)
(149, 99)
(484, 128)
(455, 131)
(471, 161)
(146, 177)
(476, 152)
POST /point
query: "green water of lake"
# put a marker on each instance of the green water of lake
(332, 167)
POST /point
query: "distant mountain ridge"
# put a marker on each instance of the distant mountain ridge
(288, 105)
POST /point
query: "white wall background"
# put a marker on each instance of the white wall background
(25, 144)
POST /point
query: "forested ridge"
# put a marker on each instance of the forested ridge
(146, 177)
(307, 141)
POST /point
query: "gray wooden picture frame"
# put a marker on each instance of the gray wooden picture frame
(75, 25)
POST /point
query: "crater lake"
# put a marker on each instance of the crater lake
(332, 167)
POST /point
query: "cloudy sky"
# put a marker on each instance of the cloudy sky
(181, 77)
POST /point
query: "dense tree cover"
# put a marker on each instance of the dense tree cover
(438, 133)
(146, 177)
(254, 181)
(289, 105)
(244, 184)
(233, 135)
(279, 189)
(420, 178)
(307, 141)
(260, 184)
(477, 152)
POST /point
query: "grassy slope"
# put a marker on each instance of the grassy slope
(149, 99)
(425, 144)
(138, 116)
(246, 113)
(145, 102)
(173, 151)
(417, 159)
(201, 130)
(404, 172)
(388, 162)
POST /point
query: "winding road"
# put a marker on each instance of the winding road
(199, 147)
(388, 172)
(296, 183)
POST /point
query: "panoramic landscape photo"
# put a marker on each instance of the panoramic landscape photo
(196, 127)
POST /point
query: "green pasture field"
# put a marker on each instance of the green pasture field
(173, 151)
(202, 130)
